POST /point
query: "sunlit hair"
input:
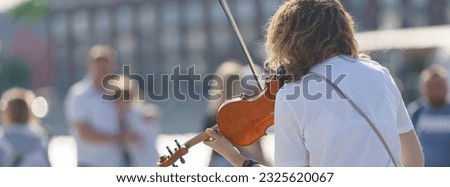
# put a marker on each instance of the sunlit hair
(101, 53)
(433, 70)
(303, 33)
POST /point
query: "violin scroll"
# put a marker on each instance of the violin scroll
(177, 154)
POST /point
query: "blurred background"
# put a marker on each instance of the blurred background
(44, 44)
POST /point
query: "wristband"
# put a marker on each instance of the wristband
(249, 162)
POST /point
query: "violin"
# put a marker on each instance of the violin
(242, 120)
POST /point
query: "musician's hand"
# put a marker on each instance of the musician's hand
(224, 147)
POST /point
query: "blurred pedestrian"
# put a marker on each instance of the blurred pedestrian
(229, 87)
(20, 144)
(432, 121)
(142, 118)
(93, 120)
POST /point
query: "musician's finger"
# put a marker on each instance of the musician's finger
(211, 143)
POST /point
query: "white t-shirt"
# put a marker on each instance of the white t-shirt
(314, 126)
(84, 103)
(144, 153)
(22, 147)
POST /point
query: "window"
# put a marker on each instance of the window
(124, 17)
(80, 56)
(448, 12)
(60, 62)
(194, 13)
(60, 59)
(149, 60)
(195, 36)
(246, 19)
(80, 26)
(245, 12)
(196, 40)
(170, 29)
(126, 45)
(170, 36)
(269, 8)
(147, 20)
(102, 26)
(198, 61)
(59, 29)
(416, 13)
(389, 16)
(221, 31)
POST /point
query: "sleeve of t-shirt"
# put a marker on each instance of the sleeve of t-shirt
(290, 149)
(404, 123)
(76, 109)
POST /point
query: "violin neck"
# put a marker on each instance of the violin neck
(197, 139)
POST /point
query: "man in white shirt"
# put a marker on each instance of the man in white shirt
(93, 121)
(314, 125)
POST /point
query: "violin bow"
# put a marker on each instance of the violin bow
(238, 34)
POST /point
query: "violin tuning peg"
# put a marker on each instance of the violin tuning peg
(168, 149)
(174, 165)
(178, 144)
(182, 160)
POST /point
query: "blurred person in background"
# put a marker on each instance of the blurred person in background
(230, 73)
(93, 121)
(432, 121)
(143, 118)
(21, 145)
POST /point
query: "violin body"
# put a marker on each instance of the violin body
(245, 120)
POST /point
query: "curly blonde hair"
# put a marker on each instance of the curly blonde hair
(303, 33)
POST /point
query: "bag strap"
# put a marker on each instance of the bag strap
(371, 124)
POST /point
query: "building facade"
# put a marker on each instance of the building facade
(154, 36)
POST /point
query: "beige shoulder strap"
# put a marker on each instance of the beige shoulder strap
(371, 124)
